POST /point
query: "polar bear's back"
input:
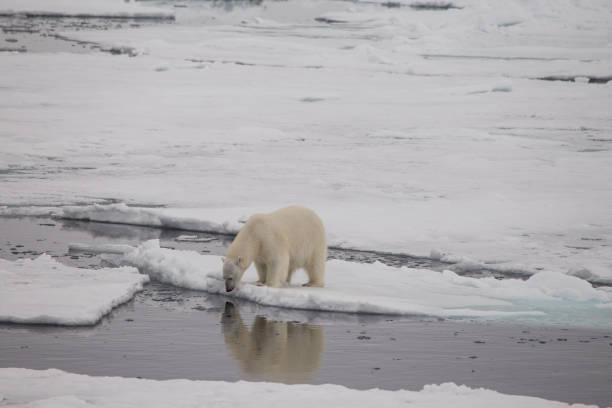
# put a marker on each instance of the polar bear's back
(300, 229)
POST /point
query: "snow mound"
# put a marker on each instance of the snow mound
(43, 291)
(547, 297)
(55, 388)
(82, 9)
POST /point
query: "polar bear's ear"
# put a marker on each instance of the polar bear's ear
(238, 261)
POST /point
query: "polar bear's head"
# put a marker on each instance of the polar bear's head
(232, 272)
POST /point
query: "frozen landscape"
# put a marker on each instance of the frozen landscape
(460, 152)
(54, 388)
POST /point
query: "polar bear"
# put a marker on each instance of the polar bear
(279, 243)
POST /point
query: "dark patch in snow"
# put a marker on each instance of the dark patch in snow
(309, 99)
(496, 58)
(117, 16)
(591, 150)
(591, 79)
(421, 5)
(327, 20)
(121, 51)
(510, 24)
(433, 5)
(13, 49)
(248, 64)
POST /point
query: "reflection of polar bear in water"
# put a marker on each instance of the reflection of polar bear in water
(279, 243)
(273, 350)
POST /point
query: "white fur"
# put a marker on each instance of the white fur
(279, 243)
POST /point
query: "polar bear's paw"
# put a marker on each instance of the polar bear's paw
(313, 285)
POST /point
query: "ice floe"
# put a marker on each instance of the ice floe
(453, 144)
(545, 298)
(82, 9)
(55, 388)
(44, 291)
(122, 214)
(346, 229)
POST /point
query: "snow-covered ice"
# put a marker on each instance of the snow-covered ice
(418, 132)
(230, 220)
(177, 219)
(409, 131)
(44, 291)
(82, 9)
(545, 298)
(55, 388)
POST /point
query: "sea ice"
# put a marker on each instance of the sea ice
(405, 130)
(122, 214)
(55, 388)
(545, 298)
(347, 229)
(77, 8)
(44, 291)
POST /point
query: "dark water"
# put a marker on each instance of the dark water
(167, 332)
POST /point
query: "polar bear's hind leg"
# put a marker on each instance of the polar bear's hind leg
(316, 271)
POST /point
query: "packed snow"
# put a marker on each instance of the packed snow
(55, 388)
(545, 298)
(44, 291)
(409, 131)
(82, 9)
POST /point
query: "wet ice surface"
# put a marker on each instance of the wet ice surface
(19, 34)
(167, 332)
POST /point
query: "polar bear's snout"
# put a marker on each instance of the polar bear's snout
(229, 285)
(231, 273)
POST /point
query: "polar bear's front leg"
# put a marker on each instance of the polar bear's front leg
(277, 271)
(261, 273)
